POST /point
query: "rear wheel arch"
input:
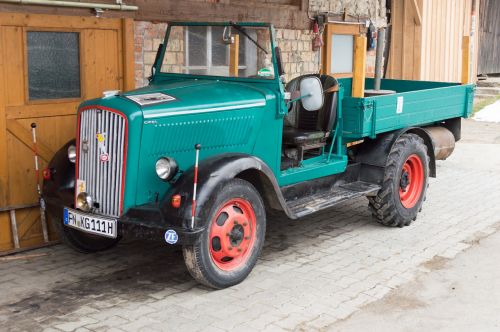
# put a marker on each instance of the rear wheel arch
(424, 135)
(376, 152)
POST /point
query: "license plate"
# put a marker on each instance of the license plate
(90, 223)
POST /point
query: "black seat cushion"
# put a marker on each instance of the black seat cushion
(294, 136)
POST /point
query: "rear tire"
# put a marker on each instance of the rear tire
(405, 183)
(232, 241)
(81, 241)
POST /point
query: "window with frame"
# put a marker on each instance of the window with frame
(53, 65)
(338, 56)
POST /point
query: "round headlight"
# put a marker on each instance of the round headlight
(84, 202)
(72, 153)
(166, 168)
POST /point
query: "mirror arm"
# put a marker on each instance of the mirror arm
(298, 98)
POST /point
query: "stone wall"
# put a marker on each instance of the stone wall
(374, 9)
(297, 54)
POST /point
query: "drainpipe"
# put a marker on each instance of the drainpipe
(119, 6)
(379, 58)
(472, 39)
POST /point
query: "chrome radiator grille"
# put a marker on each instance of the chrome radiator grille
(101, 152)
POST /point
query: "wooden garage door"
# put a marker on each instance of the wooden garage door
(48, 65)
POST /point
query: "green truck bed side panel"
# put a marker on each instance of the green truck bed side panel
(415, 103)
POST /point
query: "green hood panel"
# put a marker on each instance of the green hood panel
(223, 116)
(201, 95)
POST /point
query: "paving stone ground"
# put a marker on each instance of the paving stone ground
(312, 273)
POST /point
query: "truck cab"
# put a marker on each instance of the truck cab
(218, 138)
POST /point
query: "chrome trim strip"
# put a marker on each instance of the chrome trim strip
(206, 110)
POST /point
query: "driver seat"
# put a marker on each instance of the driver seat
(308, 130)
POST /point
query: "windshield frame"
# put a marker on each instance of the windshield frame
(157, 69)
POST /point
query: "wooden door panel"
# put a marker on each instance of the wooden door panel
(101, 66)
(22, 184)
(102, 55)
(52, 132)
(14, 75)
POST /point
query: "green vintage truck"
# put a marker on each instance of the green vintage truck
(198, 157)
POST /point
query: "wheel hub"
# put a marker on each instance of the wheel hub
(236, 235)
(411, 184)
(232, 234)
(405, 180)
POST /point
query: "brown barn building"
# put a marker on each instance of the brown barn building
(55, 54)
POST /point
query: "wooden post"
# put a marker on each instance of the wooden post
(128, 54)
(465, 59)
(234, 50)
(359, 68)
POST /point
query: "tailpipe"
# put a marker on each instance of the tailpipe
(444, 141)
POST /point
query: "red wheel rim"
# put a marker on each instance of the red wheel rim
(232, 234)
(411, 182)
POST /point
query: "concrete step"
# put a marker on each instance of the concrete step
(494, 91)
(483, 96)
(489, 82)
(480, 97)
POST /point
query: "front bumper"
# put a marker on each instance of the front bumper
(145, 222)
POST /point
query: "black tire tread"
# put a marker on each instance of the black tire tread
(382, 205)
(193, 253)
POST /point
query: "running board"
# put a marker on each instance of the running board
(325, 199)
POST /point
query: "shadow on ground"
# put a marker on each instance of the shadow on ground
(136, 268)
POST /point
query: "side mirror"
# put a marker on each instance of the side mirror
(311, 92)
(281, 69)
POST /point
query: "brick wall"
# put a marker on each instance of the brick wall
(147, 36)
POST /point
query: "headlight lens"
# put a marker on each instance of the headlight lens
(84, 202)
(166, 168)
(72, 153)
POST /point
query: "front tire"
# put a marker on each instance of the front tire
(233, 239)
(405, 184)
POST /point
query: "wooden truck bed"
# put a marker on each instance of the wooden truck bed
(415, 103)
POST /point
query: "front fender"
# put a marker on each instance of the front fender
(60, 189)
(61, 186)
(212, 174)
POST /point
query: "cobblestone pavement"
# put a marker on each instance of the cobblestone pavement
(312, 272)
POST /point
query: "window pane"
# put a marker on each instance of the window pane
(342, 53)
(197, 37)
(220, 50)
(53, 65)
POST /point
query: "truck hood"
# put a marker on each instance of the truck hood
(193, 96)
